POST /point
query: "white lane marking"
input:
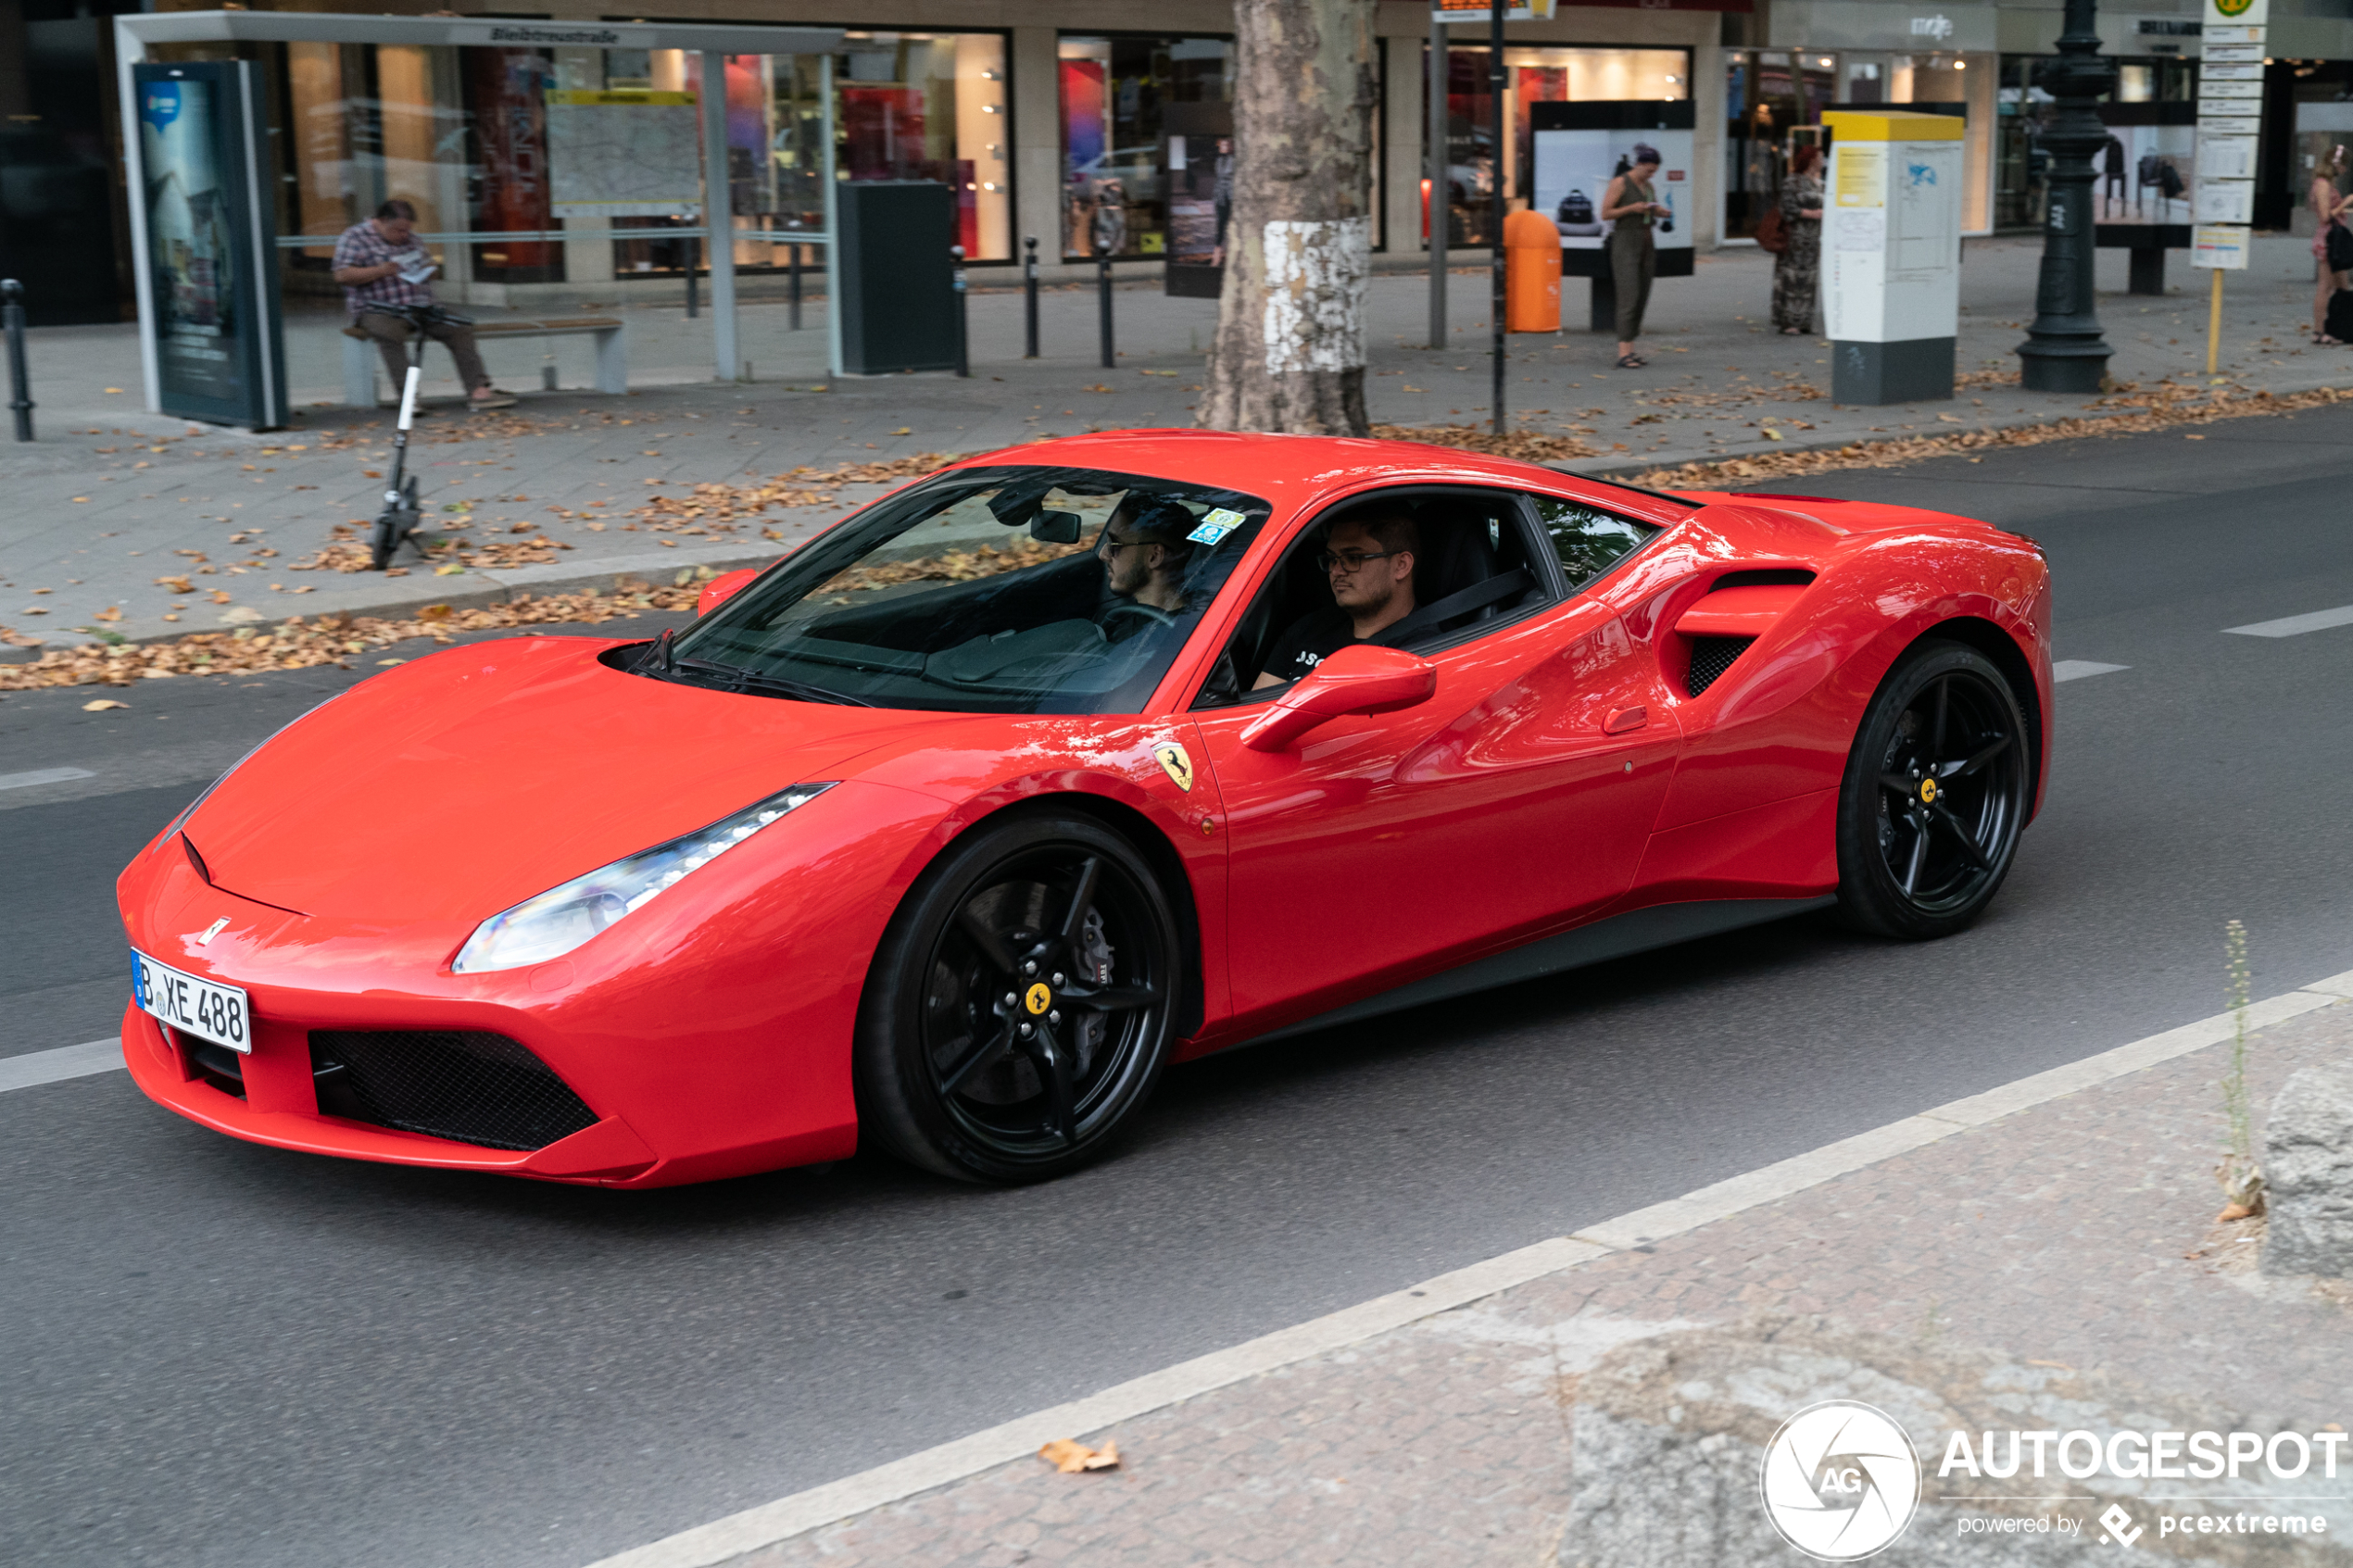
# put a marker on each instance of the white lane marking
(709, 1545)
(2076, 668)
(42, 776)
(66, 1061)
(2294, 625)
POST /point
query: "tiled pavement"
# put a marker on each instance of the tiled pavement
(111, 499)
(2078, 1236)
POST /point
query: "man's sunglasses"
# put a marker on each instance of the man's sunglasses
(1351, 561)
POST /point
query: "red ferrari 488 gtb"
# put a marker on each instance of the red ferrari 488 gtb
(954, 827)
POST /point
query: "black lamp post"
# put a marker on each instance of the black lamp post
(2064, 351)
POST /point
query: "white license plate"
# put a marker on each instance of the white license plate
(204, 1008)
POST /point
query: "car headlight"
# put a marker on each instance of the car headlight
(556, 922)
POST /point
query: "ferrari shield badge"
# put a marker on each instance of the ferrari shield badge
(1178, 766)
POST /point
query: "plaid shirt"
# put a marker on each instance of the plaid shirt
(363, 246)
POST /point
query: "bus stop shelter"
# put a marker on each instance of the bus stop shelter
(253, 138)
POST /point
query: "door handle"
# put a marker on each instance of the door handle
(1621, 720)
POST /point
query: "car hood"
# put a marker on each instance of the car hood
(465, 783)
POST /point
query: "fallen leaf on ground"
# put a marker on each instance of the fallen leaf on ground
(242, 615)
(2233, 1212)
(1071, 1458)
(219, 595)
(112, 612)
(102, 705)
(434, 612)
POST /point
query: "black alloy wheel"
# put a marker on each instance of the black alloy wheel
(1937, 790)
(1021, 1004)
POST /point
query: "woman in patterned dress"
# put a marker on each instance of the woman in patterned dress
(1797, 270)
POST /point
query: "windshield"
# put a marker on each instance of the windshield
(1000, 589)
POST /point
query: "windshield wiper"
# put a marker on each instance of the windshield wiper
(738, 678)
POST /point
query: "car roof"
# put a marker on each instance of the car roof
(1294, 471)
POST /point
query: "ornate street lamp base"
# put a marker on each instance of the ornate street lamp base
(2063, 366)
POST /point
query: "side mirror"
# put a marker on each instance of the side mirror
(1056, 528)
(722, 588)
(1363, 679)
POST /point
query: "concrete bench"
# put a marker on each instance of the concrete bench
(360, 358)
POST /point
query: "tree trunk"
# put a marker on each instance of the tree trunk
(1290, 349)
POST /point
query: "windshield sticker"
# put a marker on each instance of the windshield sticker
(1215, 526)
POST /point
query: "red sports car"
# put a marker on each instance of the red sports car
(951, 829)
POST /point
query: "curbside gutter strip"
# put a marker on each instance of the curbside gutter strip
(708, 1546)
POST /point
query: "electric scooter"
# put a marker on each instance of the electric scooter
(396, 525)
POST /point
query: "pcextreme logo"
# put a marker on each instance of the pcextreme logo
(2233, 8)
(1840, 1480)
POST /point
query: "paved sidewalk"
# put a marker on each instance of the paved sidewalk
(125, 525)
(2060, 1267)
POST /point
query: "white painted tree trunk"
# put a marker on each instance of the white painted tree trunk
(1290, 349)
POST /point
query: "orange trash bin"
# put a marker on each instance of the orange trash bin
(1532, 273)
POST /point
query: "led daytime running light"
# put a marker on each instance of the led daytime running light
(561, 919)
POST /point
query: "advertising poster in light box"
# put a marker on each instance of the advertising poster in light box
(1573, 171)
(210, 258)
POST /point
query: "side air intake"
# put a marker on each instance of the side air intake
(1710, 657)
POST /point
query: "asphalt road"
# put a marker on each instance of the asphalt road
(225, 1354)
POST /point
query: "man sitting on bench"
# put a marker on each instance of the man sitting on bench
(375, 261)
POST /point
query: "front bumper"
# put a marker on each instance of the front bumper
(280, 1107)
(706, 1037)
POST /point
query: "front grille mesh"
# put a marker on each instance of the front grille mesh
(475, 1089)
(1710, 657)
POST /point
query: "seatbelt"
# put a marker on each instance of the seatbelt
(1478, 596)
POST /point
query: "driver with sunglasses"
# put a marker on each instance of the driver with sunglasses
(1369, 561)
(1145, 553)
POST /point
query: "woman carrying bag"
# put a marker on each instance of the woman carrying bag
(2332, 242)
(1631, 207)
(1797, 266)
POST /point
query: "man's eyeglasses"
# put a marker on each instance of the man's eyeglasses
(1107, 544)
(1351, 561)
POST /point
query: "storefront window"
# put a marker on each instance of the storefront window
(1115, 94)
(1533, 75)
(607, 142)
(1773, 102)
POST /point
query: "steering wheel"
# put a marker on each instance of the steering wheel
(1152, 615)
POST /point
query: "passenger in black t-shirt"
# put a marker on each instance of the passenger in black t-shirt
(1370, 563)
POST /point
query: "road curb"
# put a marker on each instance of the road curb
(401, 597)
(711, 1545)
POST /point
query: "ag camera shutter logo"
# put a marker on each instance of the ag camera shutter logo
(1840, 1480)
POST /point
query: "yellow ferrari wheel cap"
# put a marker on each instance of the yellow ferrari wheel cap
(1039, 998)
(1928, 792)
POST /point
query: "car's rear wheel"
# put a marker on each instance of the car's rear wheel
(1021, 1004)
(1936, 791)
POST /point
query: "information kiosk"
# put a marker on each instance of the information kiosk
(1892, 255)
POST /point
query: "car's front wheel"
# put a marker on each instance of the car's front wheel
(1936, 791)
(1021, 1004)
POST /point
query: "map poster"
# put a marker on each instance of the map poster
(624, 153)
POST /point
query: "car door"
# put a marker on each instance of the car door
(1518, 798)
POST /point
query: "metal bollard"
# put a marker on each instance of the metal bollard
(792, 266)
(694, 255)
(1029, 287)
(1102, 296)
(963, 317)
(20, 380)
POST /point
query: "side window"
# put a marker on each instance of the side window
(1471, 570)
(1588, 541)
